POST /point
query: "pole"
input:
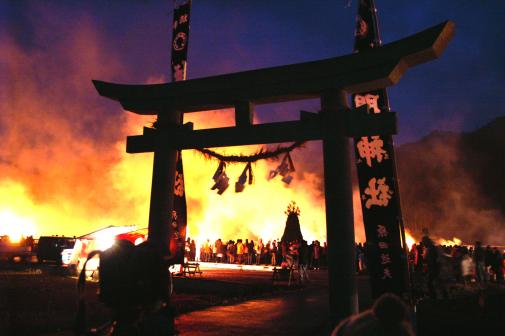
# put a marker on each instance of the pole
(392, 218)
(162, 189)
(339, 208)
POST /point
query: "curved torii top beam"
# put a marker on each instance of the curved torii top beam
(360, 72)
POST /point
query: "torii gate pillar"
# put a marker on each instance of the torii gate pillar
(339, 208)
(162, 190)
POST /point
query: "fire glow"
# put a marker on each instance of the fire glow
(72, 176)
(410, 240)
(15, 226)
(257, 212)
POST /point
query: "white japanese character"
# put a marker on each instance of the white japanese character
(382, 232)
(379, 193)
(361, 28)
(385, 258)
(183, 19)
(180, 71)
(387, 274)
(371, 100)
(369, 150)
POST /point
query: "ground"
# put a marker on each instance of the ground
(234, 302)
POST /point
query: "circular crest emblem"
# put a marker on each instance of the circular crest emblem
(179, 41)
(361, 28)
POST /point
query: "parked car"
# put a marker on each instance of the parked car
(14, 251)
(49, 248)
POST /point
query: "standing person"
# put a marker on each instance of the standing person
(324, 254)
(467, 269)
(488, 262)
(273, 254)
(231, 251)
(457, 255)
(316, 253)
(304, 261)
(413, 258)
(278, 256)
(432, 268)
(240, 251)
(207, 249)
(266, 252)
(480, 262)
(446, 271)
(192, 248)
(259, 251)
(213, 253)
(293, 253)
(497, 265)
(218, 246)
(284, 250)
(250, 252)
(187, 249)
(246, 251)
(224, 252)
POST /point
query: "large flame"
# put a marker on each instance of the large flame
(409, 239)
(15, 226)
(257, 212)
(448, 242)
(63, 163)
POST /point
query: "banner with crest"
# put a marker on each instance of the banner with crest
(180, 35)
(378, 182)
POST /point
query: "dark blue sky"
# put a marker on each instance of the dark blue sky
(460, 91)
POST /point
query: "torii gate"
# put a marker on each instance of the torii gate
(330, 79)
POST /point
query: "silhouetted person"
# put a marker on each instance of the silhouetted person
(135, 285)
(304, 261)
(388, 317)
(497, 265)
(479, 260)
(432, 267)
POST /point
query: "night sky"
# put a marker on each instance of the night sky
(63, 146)
(460, 91)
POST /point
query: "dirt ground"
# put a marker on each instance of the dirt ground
(35, 302)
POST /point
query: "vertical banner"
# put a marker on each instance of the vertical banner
(378, 183)
(180, 35)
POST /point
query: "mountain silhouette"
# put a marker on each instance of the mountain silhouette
(453, 184)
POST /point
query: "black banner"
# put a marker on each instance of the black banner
(180, 35)
(378, 183)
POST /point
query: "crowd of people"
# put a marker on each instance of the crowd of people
(433, 268)
(250, 252)
(437, 267)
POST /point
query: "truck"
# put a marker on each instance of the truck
(16, 251)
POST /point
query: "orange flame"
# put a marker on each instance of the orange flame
(448, 242)
(409, 239)
(69, 173)
(257, 212)
(15, 226)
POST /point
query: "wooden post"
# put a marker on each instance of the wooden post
(162, 189)
(339, 208)
(244, 113)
